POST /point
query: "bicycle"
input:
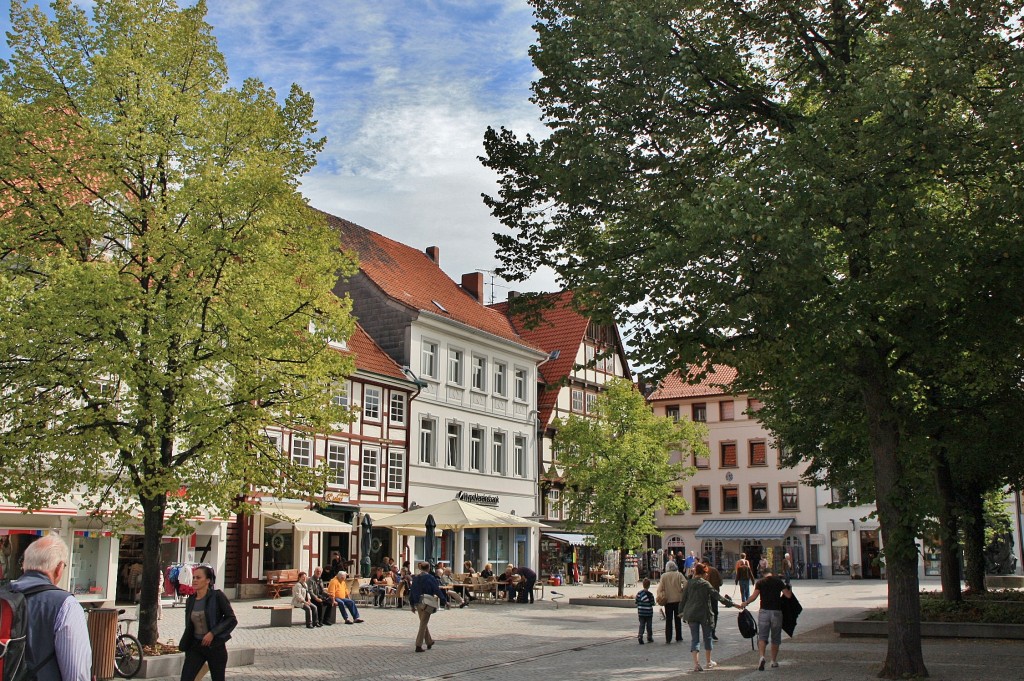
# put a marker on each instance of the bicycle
(127, 649)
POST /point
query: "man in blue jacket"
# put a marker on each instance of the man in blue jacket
(58, 637)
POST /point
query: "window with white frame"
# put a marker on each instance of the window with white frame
(577, 401)
(453, 449)
(498, 453)
(370, 465)
(339, 397)
(337, 463)
(479, 373)
(591, 402)
(397, 413)
(554, 510)
(519, 456)
(428, 440)
(302, 451)
(520, 381)
(476, 449)
(371, 403)
(455, 366)
(500, 378)
(396, 470)
(428, 360)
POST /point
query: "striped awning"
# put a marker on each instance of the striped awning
(570, 538)
(759, 528)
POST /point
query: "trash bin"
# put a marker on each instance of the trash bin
(102, 632)
(815, 570)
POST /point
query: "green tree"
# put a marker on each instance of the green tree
(810, 192)
(619, 469)
(165, 293)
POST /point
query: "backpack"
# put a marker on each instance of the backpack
(747, 625)
(14, 633)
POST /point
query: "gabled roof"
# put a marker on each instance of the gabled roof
(561, 328)
(410, 278)
(718, 381)
(369, 357)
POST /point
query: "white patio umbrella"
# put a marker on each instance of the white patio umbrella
(455, 515)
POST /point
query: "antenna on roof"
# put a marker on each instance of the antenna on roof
(494, 275)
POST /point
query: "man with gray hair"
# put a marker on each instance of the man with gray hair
(58, 638)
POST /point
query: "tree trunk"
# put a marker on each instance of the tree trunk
(153, 531)
(949, 528)
(622, 570)
(974, 543)
(904, 657)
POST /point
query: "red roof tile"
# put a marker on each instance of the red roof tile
(369, 357)
(561, 328)
(718, 381)
(409, 277)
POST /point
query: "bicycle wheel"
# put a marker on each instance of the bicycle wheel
(127, 656)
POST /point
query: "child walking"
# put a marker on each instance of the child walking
(645, 611)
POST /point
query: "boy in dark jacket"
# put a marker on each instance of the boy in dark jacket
(645, 611)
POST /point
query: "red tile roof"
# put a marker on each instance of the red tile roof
(409, 277)
(718, 381)
(561, 328)
(369, 357)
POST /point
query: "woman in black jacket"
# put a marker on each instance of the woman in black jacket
(209, 621)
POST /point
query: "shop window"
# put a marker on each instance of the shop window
(90, 565)
(699, 412)
(701, 500)
(840, 552)
(278, 549)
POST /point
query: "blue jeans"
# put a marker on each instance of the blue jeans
(346, 606)
(745, 588)
(696, 629)
(646, 624)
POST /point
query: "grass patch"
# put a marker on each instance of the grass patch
(995, 607)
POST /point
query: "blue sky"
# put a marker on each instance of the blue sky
(404, 90)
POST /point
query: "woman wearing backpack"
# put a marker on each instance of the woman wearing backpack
(209, 621)
(698, 613)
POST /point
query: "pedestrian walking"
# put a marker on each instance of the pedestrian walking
(698, 613)
(744, 576)
(714, 578)
(670, 592)
(770, 590)
(209, 621)
(645, 611)
(425, 597)
(57, 646)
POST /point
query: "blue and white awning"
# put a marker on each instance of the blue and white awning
(760, 528)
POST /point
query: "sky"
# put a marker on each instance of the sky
(404, 91)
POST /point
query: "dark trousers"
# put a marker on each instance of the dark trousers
(323, 610)
(216, 656)
(714, 610)
(526, 590)
(646, 624)
(672, 614)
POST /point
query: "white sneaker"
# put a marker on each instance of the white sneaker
(775, 665)
(711, 665)
(760, 665)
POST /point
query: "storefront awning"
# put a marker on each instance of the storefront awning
(570, 538)
(760, 528)
(302, 519)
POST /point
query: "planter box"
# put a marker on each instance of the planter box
(1004, 582)
(170, 665)
(605, 602)
(861, 627)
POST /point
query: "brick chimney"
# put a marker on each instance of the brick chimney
(434, 253)
(473, 283)
(512, 295)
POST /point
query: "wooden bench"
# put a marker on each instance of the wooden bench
(280, 615)
(280, 580)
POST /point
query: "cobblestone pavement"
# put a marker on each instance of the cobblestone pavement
(543, 641)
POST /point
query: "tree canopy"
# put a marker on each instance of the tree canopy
(619, 468)
(165, 292)
(825, 195)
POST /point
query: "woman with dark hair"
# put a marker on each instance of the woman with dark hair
(209, 621)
